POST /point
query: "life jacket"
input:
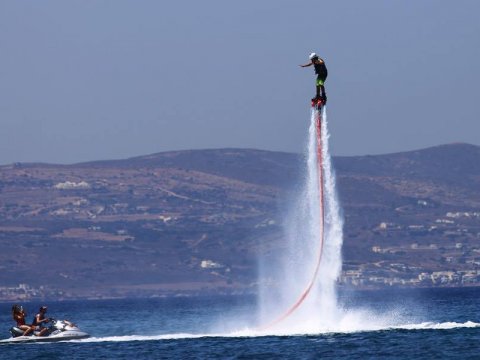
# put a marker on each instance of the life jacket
(321, 69)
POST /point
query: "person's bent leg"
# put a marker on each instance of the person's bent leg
(26, 329)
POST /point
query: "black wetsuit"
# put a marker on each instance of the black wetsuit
(321, 70)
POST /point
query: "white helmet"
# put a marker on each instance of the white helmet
(313, 56)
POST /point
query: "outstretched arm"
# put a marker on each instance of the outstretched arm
(306, 65)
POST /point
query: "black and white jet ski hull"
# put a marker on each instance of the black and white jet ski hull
(61, 336)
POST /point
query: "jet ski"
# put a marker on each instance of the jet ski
(59, 330)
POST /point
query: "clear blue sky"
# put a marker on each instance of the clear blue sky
(85, 80)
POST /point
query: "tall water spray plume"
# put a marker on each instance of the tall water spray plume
(311, 261)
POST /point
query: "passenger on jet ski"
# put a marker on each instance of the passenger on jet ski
(18, 315)
(40, 320)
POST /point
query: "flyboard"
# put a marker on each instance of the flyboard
(317, 106)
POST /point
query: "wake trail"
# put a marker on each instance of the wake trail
(248, 333)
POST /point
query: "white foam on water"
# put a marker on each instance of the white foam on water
(439, 326)
(344, 328)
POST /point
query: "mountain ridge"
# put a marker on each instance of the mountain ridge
(154, 221)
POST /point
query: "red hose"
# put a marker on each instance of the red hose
(318, 127)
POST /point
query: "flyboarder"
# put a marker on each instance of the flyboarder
(321, 71)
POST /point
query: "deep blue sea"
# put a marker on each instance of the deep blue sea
(434, 324)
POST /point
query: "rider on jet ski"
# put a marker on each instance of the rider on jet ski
(40, 320)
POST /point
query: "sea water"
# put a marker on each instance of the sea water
(424, 324)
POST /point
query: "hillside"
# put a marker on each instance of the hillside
(197, 221)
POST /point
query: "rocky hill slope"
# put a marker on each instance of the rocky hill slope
(197, 221)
